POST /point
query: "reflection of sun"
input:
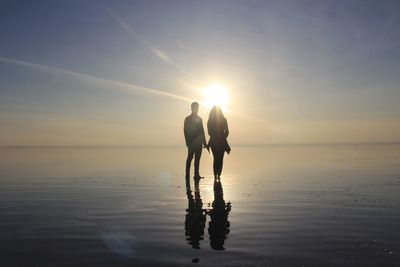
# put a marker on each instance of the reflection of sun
(216, 95)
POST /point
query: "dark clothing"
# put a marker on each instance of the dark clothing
(218, 131)
(195, 140)
(194, 132)
(218, 155)
(197, 155)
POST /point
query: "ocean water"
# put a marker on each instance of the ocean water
(332, 205)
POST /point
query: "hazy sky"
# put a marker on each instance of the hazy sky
(124, 72)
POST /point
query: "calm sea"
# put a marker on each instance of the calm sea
(332, 205)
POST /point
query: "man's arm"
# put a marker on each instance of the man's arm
(203, 134)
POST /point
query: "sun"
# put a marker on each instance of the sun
(216, 95)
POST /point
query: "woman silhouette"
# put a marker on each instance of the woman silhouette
(218, 227)
(218, 131)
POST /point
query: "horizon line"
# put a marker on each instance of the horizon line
(182, 145)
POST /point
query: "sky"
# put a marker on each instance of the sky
(125, 72)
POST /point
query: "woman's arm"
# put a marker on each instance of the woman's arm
(226, 128)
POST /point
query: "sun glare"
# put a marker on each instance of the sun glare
(216, 95)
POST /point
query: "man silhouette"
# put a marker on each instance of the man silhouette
(195, 139)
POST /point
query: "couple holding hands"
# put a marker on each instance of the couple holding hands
(218, 131)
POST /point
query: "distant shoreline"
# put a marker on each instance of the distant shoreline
(182, 145)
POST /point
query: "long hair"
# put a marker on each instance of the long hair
(215, 122)
(216, 114)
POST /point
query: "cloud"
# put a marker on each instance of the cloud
(156, 51)
(159, 53)
(121, 86)
(116, 85)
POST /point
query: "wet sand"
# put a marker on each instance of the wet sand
(336, 205)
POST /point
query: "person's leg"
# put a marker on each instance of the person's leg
(215, 168)
(219, 158)
(189, 161)
(197, 156)
(218, 162)
(187, 180)
(221, 162)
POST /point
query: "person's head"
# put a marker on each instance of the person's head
(216, 113)
(195, 107)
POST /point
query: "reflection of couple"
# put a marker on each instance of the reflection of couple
(195, 219)
(218, 131)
